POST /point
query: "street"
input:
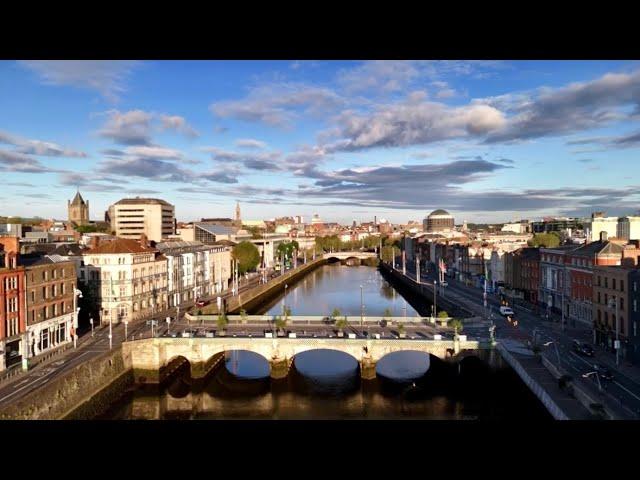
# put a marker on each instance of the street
(623, 389)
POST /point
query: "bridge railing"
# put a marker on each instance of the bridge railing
(354, 320)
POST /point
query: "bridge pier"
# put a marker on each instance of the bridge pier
(367, 368)
(278, 367)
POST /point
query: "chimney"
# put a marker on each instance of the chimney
(94, 242)
(144, 241)
(603, 236)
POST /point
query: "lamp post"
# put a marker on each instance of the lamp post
(557, 351)
(284, 299)
(588, 374)
(91, 322)
(76, 294)
(361, 307)
(126, 322)
(613, 303)
(168, 324)
(110, 330)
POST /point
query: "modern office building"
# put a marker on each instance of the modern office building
(132, 217)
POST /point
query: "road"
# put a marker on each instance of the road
(623, 390)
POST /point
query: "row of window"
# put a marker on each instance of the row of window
(55, 273)
(599, 283)
(53, 289)
(47, 312)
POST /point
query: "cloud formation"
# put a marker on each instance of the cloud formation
(38, 147)
(278, 105)
(107, 77)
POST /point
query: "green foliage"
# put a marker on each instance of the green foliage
(287, 312)
(255, 231)
(341, 323)
(243, 315)
(223, 321)
(387, 313)
(443, 314)
(401, 328)
(547, 240)
(456, 324)
(247, 255)
(335, 313)
(388, 252)
(288, 249)
(280, 322)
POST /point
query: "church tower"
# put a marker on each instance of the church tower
(78, 210)
(238, 221)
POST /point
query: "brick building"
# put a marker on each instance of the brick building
(50, 304)
(12, 302)
(616, 299)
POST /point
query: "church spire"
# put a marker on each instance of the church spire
(238, 212)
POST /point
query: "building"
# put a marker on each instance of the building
(126, 278)
(628, 228)
(195, 270)
(78, 210)
(556, 224)
(51, 314)
(599, 223)
(567, 277)
(133, 217)
(616, 303)
(11, 229)
(438, 221)
(523, 226)
(12, 303)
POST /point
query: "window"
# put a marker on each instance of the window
(613, 283)
(54, 273)
(622, 285)
(55, 309)
(635, 328)
(33, 296)
(54, 290)
(621, 303)
(62, 288)
(44, 292)
(635, 305)
(44, 339)
(606, 283)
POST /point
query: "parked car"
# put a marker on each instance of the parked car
(582, 348)
(506, 311)
(201, 303)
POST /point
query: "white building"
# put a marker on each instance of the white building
(128, 278)
(195, 270)
(132, 217)
(599, 223)
(628, 228)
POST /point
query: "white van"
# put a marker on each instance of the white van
(506, 311)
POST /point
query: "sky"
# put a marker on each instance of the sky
(489, 141)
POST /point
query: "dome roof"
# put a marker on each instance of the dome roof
(439, 212)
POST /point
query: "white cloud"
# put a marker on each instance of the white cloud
(104, 76)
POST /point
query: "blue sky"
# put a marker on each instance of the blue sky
(487, 140)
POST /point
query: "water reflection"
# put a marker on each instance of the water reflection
(403, 366)
(338, 286)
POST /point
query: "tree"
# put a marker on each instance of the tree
(547, 240)
(287, 249)
(457, 325)
(280, 321)
(386, 314)
(335, 313)
(341, 323)
(443, 314)
(223, 321)
(247, 255)
(401, 329)
(287, 313)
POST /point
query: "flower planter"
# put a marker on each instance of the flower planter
(221, 333)
(341, 334)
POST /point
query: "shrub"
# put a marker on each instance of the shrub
(443, 314)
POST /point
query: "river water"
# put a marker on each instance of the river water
(326, 384)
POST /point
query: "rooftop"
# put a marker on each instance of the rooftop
(120, 245)
(138, 200)
(216, 229)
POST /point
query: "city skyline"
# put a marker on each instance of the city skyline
(489, 141)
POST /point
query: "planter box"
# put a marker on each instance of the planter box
(437, 337)
(341, 334)
(221, 333)
(292, 335)
(402, 335)
(352, 335)
(268, 335)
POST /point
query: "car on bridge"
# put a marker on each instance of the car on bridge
(603, 372)
(582, 348)
(506, 311)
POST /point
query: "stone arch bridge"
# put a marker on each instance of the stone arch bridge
(152, 359)
(347, 255)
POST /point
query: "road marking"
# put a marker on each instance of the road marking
(626, 390)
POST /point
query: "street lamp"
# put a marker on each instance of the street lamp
(126, 322)
(76, 294)
(168, 319)
(557, 351)
(361, 307)
(588, 374)
(613, 302)
(91, 322)
(284, 298)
